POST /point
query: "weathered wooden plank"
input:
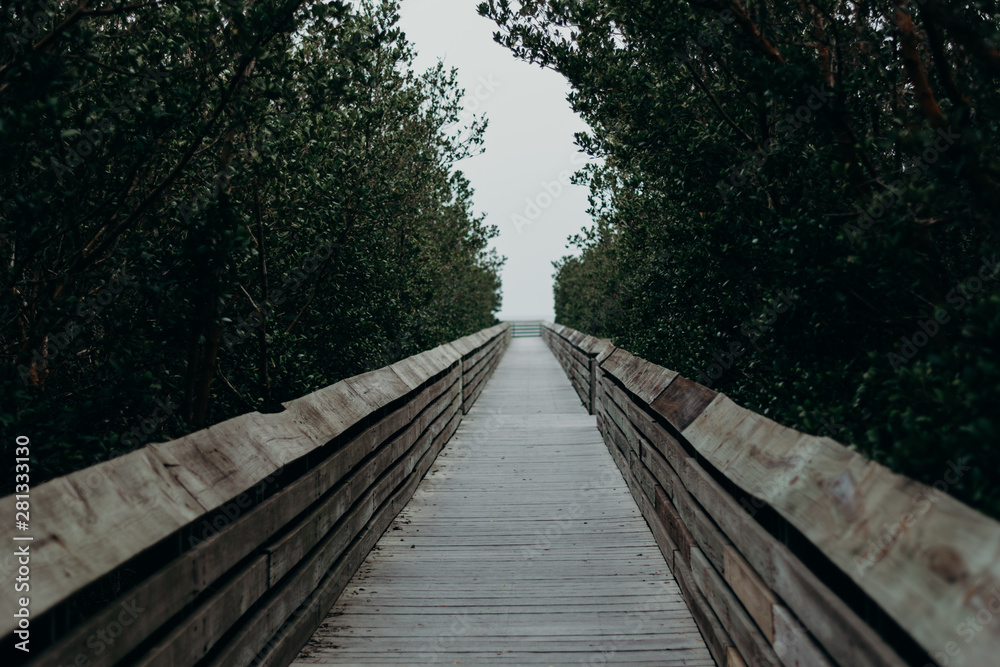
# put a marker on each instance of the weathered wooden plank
(582, 375)
(476, 361)
(741, 628)
(592, 379)
(613, 410)
(483, 344)
(576, 358)
(227, 459)
(512, 658)
(378, 388)
(667, 446)
(733, 658)
(256, 632)
(643, 477)
(575, 339)
(756, 597)
(168, 590)
(714, 632)
(663, 540)
(644, 379)
(292, 547)
(403, 629)
(792, 643)
(673, 525)
(485, 375)
(577, 355)
(420, 368)
(716, 636)
(199, 631)
(282, 648)
(485, 359)
(948, 554)
(479, 383)
(132, 498)
(698, 523)
(517, 516)
(324, 414)
(682, 401)
(468, 345)
(594, 346)
(616, 435)
(840, 629)
(144, 497)
(374, 435)
(478, 366)
(218, 548)
(844, 635)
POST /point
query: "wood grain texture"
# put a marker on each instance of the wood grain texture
(286, 552)
(283, 648)
(522, 543)
(644, 379)
(756, 597)
(689, 486)
(842, 632)
(199, 631)
(520, 506)
(288, 637)
(840, 629)
(590, 345)
(579, 355)
(792, 643)
(752, 645)
(673, 525)
(132, 497)
(167, 591)
(715, 634)
(264, 624)
(682, 401)
(928, 560)
(97, 519)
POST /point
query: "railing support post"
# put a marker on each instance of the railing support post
(593, 385)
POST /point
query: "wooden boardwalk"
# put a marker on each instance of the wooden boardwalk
(521, 546)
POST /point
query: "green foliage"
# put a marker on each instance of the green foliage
(277, 186)
(829, 152)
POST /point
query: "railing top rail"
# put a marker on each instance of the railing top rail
(90, 522)
(926, 559)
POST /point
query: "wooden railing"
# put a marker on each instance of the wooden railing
(228, 546)
(526, 329)
(791, 549)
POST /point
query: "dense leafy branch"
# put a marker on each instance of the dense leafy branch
(221, 205)
(841, 154)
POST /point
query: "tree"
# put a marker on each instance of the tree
(214, 206)
(840, 155)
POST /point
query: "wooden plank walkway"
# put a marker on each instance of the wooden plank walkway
(521, 546)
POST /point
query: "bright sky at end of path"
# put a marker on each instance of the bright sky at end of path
(521, 180)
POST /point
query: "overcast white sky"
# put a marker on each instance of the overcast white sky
(529, 143)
